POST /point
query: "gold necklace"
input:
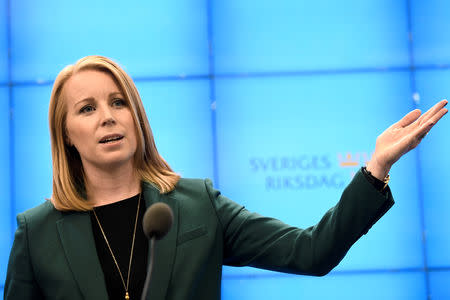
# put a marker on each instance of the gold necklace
(125, 286)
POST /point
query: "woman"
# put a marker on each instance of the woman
(87, 242)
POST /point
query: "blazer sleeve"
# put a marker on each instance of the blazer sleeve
(20, 282)
(253, 240)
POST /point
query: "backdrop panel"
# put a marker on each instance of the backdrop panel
(32, 153)
(430, 27)
(439, 285)
(150, 38)
(290, 35)
(3, 43)
(6, 220)
(386, 286)
(433, 85)
(180, 116)
(287, 147)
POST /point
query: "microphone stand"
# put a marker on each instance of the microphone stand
(149, 269)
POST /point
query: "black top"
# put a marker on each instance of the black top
(117, 220)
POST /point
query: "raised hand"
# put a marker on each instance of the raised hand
(403, 136)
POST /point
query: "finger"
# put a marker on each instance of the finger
(435, 118)
(423, 130)
(415, 137)
(408, 118)
(432, 111)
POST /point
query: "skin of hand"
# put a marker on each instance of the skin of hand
(402, 137)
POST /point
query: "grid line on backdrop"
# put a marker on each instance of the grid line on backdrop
(212, 90)
(412, 76)
(11, 123)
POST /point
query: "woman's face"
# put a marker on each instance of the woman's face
(99, 123)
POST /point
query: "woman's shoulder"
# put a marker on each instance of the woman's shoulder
(187, 189)
(44, 212)
(184, 185)
(193, 186)
(192, 182)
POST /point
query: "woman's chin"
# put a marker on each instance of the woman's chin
(112, 163)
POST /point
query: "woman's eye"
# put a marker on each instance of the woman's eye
(119, 102)
(87, 109)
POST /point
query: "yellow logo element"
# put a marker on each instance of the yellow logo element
(350, 161)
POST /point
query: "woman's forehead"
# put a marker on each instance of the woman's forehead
(89, 84)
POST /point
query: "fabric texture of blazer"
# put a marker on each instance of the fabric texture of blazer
(54, 254)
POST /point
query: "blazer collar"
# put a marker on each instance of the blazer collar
(75, 231)
(76, 236)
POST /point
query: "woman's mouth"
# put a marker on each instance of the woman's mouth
(111, 139)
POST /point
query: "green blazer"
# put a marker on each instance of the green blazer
(54, 254)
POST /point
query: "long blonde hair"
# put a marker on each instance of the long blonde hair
(68, 176)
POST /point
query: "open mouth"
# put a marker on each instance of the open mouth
(111, 139)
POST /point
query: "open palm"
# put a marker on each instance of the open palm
(403, 136)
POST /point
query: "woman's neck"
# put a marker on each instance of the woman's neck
(106, 186)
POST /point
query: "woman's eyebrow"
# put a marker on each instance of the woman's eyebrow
(115, 93)
(88, 99)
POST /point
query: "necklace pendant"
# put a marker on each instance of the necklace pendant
(127, 297)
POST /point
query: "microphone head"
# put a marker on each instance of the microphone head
(157, 220)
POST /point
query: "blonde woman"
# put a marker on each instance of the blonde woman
(87, 241)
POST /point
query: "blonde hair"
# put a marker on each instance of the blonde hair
(68, 176)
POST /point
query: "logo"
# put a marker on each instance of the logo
(350, 161)
(353, 161)
(307, 171)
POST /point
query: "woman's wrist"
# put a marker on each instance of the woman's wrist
(377, 170)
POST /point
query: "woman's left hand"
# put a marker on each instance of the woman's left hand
(403, 136)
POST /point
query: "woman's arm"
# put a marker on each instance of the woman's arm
(253, 240)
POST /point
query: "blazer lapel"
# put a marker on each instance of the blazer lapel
(165, 249)
(79, 246)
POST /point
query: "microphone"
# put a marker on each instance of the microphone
(156, 224)
(157, 220)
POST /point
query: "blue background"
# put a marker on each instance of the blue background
(254, 94)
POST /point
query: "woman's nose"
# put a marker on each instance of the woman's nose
(107, 117)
